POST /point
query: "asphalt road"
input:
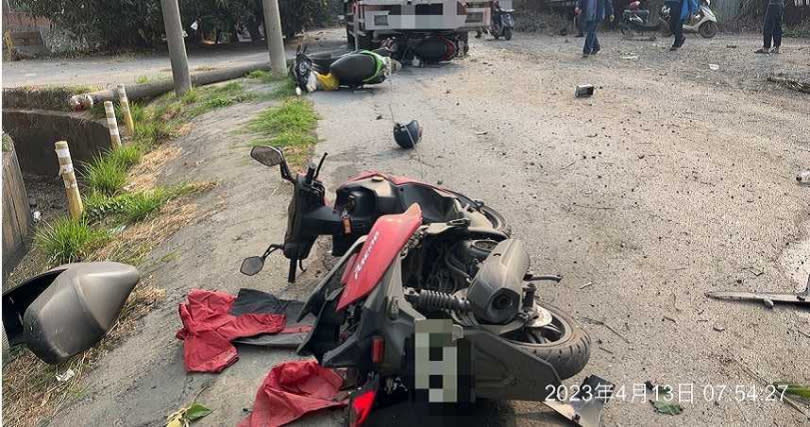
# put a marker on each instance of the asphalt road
(127, 68)
(671, 181)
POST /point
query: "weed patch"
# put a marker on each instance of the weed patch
(68, 240)
(290, 126)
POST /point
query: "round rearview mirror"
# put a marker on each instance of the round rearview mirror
(252, 266)
(268, 156)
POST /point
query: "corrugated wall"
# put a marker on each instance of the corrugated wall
(726, 9)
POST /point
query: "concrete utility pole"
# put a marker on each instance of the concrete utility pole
(275, 41)
(177, 48)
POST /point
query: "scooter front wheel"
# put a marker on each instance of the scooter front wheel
(708, 29)
(562, 343)
(507, 33)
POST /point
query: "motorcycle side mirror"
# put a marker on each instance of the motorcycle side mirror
(268, 156)
(271, 156)
(252, 265)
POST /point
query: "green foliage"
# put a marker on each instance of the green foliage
(667, 408)
(127, 155)
(142, 80)
(290, 126)
(104, 175)
(131, 207)
(7, 142)
(67, 240)
(295, 115)
(114, 24)
(197, 411)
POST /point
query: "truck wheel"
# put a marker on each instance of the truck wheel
(562, 343)
(708, 29)
(507, 33)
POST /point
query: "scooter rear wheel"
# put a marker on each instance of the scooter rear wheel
(563, 343)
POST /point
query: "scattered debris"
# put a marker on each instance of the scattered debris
(731, 46)
(630, 57)
(719, 328)
(785, 399)
(767, 298)
(379, 117)
(605, 350)
(37, 215)
(798, 390)
(800, 86)
(610, 328)
(65, 376)
(670, 319)
(587, 285)
(584, 91)
(187, 415)
(714, 67)
(583, 410)
(483, 132)
(803, 177)
(667, 408)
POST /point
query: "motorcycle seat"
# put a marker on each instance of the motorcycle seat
(354, 68)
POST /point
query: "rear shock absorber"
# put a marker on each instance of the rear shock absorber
(432, 300)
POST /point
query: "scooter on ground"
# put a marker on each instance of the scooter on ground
(431, 297)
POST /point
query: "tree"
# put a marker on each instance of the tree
(113, 24)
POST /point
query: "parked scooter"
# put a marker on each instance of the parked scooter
(354, 69)
(423, 266)
(704, 22)
(635, 21)
(502, 24)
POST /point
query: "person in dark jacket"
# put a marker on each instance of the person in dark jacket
(687, 8)
(592, 12)
(772, 28)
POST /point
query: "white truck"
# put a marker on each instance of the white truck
(425, 30)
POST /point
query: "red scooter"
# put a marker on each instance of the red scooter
(431, 297)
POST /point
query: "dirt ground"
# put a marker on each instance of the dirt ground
(671, 181)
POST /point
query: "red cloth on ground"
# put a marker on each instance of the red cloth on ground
(292, 389)
(208, 328)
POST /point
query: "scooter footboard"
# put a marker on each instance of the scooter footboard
(503, 371)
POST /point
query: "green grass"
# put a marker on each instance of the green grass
(68, 240)
(7, 142)
(290, 125)
(127, 155)
(142, 80)
(104, 175)
(131, 207)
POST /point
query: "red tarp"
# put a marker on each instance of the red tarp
(293, 389)
(208, 328)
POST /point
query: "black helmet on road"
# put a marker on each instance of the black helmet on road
(407, 135)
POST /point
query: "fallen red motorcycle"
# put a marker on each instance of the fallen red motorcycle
(431, 296)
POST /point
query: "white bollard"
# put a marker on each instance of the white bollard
(122, 99)
(112, 125)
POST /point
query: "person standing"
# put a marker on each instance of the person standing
(687, 8)
(592, 12)
(772, 28)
